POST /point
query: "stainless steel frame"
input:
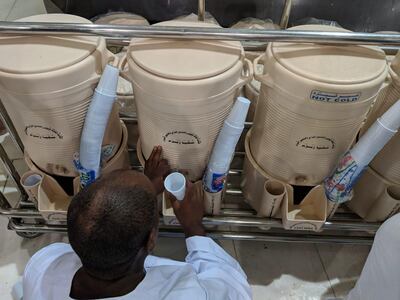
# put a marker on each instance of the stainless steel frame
(241, 222)
(9, 166)
(123, 32)
(286, 14)
(280, 236)
(201, 11)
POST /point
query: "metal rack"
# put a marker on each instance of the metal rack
(237, 221)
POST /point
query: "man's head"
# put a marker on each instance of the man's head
(112, 224)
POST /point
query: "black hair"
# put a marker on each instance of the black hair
(109, 222)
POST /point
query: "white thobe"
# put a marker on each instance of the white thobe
(207, 273)
(380, 278)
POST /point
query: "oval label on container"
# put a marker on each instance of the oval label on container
(322, 96)
(42, 132)
(315, 143)
(180, 137)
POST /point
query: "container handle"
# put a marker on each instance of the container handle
(122, 71)
(246, 76)
(263, 78)
(114, 61)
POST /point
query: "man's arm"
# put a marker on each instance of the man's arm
(220, 275)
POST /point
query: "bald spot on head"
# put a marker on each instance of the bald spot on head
(126, 178)
(106, 188)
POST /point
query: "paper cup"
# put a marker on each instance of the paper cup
(387, 162)
(30, 181)
(175, 183)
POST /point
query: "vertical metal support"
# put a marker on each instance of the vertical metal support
(11, 170)
(5, 118)
(201, 11)
(4, 204)
(286, 14)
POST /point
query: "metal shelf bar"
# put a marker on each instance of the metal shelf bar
(20, 213)
(300, 237)
(279, 237)
(232, 218)
(123, 32)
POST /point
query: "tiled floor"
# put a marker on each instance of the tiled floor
(275, 270)
(15, 9)
(280, 271)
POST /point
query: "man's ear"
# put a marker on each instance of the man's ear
(151, 243)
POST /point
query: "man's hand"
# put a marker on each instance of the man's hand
(156, 169)
(190, 210)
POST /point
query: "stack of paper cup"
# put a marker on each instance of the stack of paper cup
(387, 162)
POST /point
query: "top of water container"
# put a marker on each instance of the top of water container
(185, 59)
(39, 53)
(334, 64)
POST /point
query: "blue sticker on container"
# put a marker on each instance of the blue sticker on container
(218, 182)
(86, 176)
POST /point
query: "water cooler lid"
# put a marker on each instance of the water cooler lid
(39, 53)
(350, 64)
(185, 59)
(120, 18)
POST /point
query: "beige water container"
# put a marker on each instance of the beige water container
(121, 18)
(183, 92)
(387, 162)
(46, 84)
(312, 103)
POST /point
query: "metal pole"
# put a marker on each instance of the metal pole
(286, 14)
(253, 236)
(5, 118)
(20, 213)
(279, 237)
(247, 46)
(201, 10)
(7, 163)
(200, 33)
(274, 223)
(234, 220)
(4, 204)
